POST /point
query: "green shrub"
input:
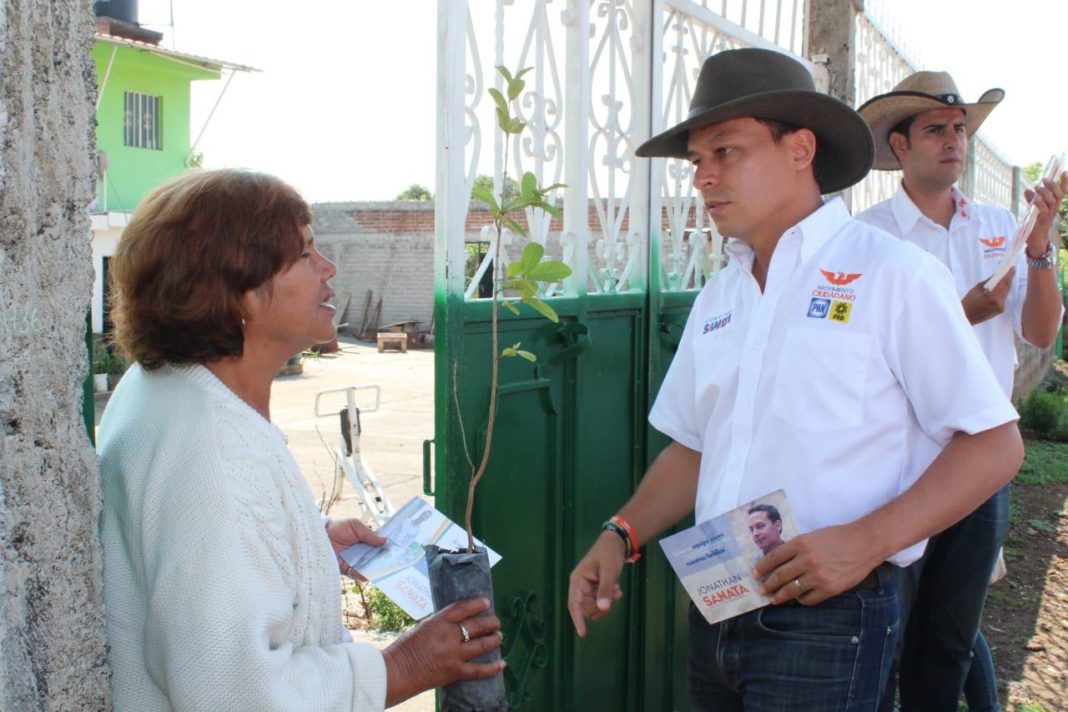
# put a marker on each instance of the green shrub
(1044, 412)
(385, 614)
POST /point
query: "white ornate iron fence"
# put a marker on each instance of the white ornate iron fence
(599, 67)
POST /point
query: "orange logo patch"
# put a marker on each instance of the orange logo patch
(840, 278)
(992, 241)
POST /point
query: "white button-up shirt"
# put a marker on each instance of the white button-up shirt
(839, 383)
(972, 247)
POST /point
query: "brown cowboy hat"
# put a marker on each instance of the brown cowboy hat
(916, 94)
(764, 84)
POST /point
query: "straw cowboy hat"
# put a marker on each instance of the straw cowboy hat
(763, 84)
(916, 94)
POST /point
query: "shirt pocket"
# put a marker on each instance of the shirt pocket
(820, 384)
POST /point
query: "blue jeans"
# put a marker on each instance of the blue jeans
(981, 687)
(832, 656)
(942, 598)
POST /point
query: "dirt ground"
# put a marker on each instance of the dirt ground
(1026, 616)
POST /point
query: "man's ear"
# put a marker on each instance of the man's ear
(899, 144)
(802, 147)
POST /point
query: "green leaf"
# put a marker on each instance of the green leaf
(513, 225)
(510, 306)
(532, 254)
(503, 71)
(504, 119)
(485, 195)
(542, 308)
(529, 184)
(527, 288)
(549, 271)
(514, 269)
(551, 209)
(499, 100)
(508, 352)
(515, 86)
(515, 126)
(527, 355)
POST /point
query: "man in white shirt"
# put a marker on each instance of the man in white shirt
(805, 365)
(922, 128)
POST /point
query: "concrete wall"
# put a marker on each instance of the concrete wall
(1033, 366)
(52, 652)
(385, 247)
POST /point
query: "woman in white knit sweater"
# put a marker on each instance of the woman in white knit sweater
(221, 579)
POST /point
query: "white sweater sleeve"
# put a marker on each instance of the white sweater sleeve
(236, 581)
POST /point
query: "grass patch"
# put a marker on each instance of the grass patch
(1032, 707)
(1045, 462)
(1014, 512)
(997, 597)
(385, 614)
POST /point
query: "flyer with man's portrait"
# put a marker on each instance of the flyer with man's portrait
(713, 559)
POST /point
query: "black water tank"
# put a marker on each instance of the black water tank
(125, 10)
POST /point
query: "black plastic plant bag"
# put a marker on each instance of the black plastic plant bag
(455, 575)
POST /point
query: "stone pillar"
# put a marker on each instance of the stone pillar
(830, 37)
(52, 652)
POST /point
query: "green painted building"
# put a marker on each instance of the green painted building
(144, 135)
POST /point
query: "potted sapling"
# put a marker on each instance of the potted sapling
(466, 573)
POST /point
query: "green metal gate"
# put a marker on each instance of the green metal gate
(571, 440)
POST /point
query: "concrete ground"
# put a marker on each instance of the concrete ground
(392, 439)
(393, 435)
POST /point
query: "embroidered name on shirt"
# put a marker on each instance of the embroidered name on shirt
(993, 247)
(716, 322)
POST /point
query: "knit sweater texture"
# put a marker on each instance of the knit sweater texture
(221, 588)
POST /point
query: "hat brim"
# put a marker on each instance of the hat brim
(884, 112)
(845, 141)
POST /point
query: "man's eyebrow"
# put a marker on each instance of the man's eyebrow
(718, 136)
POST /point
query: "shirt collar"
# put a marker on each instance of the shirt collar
(906, 214)
(813, 231)
(821, 226)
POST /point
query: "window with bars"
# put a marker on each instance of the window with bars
(141, 121)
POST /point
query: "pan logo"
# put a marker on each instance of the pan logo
(818, 308)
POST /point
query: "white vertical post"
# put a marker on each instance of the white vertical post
(576, 228)
(645, 199)
(451, 199)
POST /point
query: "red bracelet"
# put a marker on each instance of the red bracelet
(633, 553)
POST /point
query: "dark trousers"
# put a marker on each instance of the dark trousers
(942, 598)
(832, 656)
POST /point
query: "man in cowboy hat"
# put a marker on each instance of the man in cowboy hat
(804, 366)
(922, 128)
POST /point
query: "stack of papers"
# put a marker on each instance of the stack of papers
(398, 568)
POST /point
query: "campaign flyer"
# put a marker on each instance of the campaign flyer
(713, 559)
(398, 568)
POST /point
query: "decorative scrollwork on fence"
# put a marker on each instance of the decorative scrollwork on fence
(524, 630)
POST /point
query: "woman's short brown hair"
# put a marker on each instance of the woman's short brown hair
(192, 249)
